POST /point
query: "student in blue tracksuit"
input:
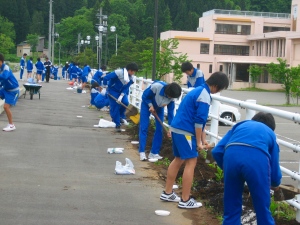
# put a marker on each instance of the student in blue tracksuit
(98, 76)
(69, 70)
(74, 71)
(187, 127)
(54, 72)
(249, 153)
(195, 77)
(29, 67)
(154, 99)
(22, 65)
(40, 68)
(84, 75)
(118, 83)
(9, 91)
(101, 100)
(95, 90)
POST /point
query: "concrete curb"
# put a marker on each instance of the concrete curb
(22, 92)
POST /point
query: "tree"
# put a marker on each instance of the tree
(22, 26)
(6, 44)
(284, 75)
(255, 71)
(37, 25)
(295, 88)
(168, 61)
(33, 40)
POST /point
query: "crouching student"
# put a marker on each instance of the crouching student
(95, 90)
(118, 83)
(187, 127)
(154, 99)
(101, 101)
(249, 153)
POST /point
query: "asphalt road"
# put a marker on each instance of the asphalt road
(54, 168)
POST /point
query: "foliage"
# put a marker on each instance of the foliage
(255, 71)
(167, 60)
(7, 28)
(219, 173)
(32, 40)
(284, 75)
(6, 44)
(295, 89)
(165, 161)
(282, 210)
(86, 57)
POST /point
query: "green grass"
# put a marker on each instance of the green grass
(259, 90)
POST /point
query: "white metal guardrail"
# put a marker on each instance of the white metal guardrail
(250, 106)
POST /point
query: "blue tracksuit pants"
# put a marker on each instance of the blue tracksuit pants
(116, 110)
(246, 164)
(21, 73)
(143, 131)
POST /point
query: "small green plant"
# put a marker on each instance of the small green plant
(179, 181)
(219, 174)
(282, 210)
(165, 161)
(203, 153)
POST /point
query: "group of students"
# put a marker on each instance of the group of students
(43, 69)
(245, 155)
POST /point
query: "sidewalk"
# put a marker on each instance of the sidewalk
(55, 168)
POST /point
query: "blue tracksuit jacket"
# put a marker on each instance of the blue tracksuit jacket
(97, 77)
(116, 86)
(39, 67)
(154, 96)
(7, 80)
(193, 110)
(196, 79)
(248, 153)
(29, 66)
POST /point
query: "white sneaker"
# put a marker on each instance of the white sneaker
(143, 156)
(9, 127)
(189, 204)
(154, 156)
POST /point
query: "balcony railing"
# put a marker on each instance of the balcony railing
(247, 13)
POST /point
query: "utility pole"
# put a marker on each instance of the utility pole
(78, 43)
(50, 28)
(52, 55)
(154, 42)
(100, 38)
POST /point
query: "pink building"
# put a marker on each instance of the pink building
(231, 40)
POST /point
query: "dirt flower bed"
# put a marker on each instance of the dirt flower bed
(208, 184)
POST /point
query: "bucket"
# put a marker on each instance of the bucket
(79, 90)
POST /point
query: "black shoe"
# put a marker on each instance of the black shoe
(118, 129)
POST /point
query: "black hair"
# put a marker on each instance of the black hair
(31, 58)
(132, 66)
(38, 59)
(95, 84)
(265, 118)
(103, 67)
(173, 90)
(1, 57)
(218, 79)
(186, 66)
(25, 54)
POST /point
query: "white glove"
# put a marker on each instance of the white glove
(103, 92)
(120, 98)
(22, 67)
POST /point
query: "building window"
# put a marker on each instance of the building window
(210, 68)
(268, 29)
(204, 49)
(198, 66)
(233, 29)
(221, 68)
(231, 50)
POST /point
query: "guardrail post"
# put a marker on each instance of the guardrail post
(214, 126)
(298, 211)
(249, 112)
(133, 93)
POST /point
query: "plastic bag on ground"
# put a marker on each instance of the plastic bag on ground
(127, 169)
(115, 150)
(106, 123)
